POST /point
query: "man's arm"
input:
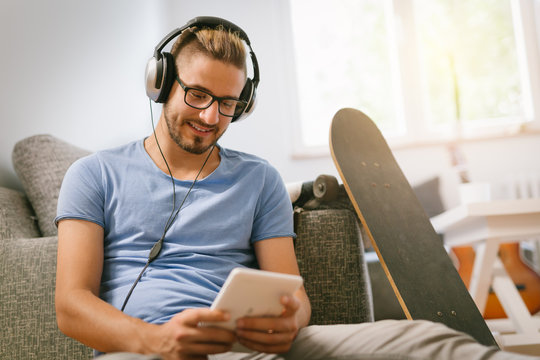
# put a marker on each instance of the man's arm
(81, 314)
(275, 335)
(278, 255)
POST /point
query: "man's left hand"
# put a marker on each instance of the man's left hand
(270, 334)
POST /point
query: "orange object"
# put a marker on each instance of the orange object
(526, 279)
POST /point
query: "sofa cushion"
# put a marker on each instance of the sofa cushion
(40, 162)
(28, 320)
(17, 218)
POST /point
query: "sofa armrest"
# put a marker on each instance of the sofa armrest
(28, 321)
(330, 255)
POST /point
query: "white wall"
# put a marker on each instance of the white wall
(75, 70)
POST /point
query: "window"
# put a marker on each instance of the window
(421, 69)
(468, 52)
(332, 73)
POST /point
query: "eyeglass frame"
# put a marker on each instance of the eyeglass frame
(214, 98)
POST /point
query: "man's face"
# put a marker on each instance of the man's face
(195, 130)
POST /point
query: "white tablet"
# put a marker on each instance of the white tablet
(252, 293)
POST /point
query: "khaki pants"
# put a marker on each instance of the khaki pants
(387, 339)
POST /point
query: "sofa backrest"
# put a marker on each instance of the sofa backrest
(17, 218)
(28, 319)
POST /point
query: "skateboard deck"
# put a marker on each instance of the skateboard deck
(411, 253)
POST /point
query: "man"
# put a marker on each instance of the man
(114, 205)
(224, 209)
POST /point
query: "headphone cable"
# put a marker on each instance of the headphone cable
(156, 248)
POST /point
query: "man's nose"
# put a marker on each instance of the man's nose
(210, 115)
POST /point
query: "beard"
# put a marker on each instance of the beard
(197, 146)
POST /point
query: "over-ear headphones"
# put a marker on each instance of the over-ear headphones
(160, 69)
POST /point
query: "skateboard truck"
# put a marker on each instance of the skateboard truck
(311, 194)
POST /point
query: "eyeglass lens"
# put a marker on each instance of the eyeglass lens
(202, 100)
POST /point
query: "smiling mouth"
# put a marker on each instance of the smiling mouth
(200, 129)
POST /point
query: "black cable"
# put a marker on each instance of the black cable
(156, 248)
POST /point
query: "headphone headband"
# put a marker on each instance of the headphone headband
(160, 68)
(202, 21)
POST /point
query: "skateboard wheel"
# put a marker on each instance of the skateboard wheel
(325, 188)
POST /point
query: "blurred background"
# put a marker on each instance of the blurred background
(453, 84)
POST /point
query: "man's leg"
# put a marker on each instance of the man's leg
(127, 356)
(388, 339)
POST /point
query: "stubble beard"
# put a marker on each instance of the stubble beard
(196, 147)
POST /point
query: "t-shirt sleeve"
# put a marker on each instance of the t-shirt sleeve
(274, 213)
(82, 193)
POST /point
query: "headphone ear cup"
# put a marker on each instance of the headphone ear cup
(168, 77)
(159, 77)
(153, 77)
(247, 95)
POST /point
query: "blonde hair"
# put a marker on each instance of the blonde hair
(219, 44)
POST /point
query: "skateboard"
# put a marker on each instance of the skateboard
(423, 277)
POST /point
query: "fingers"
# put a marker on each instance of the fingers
(285, 323)
(271, 334)
(191, 321)
(205, 348)
(190, 339)
(194, 342)
(192, 317)
(270, 326)
(270, 340)
(265, 342)
(291, 305)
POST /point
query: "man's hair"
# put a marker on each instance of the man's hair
(219, 44)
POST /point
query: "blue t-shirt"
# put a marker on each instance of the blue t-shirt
(243, 201)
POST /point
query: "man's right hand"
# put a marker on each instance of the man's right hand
(183, 338)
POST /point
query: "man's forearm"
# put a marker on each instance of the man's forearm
(95, 323)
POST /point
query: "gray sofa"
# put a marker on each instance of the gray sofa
(329, 248)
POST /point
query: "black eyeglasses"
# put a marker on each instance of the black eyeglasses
(200, 99)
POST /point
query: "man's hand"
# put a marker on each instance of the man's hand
(182, 337)
(271, 334)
